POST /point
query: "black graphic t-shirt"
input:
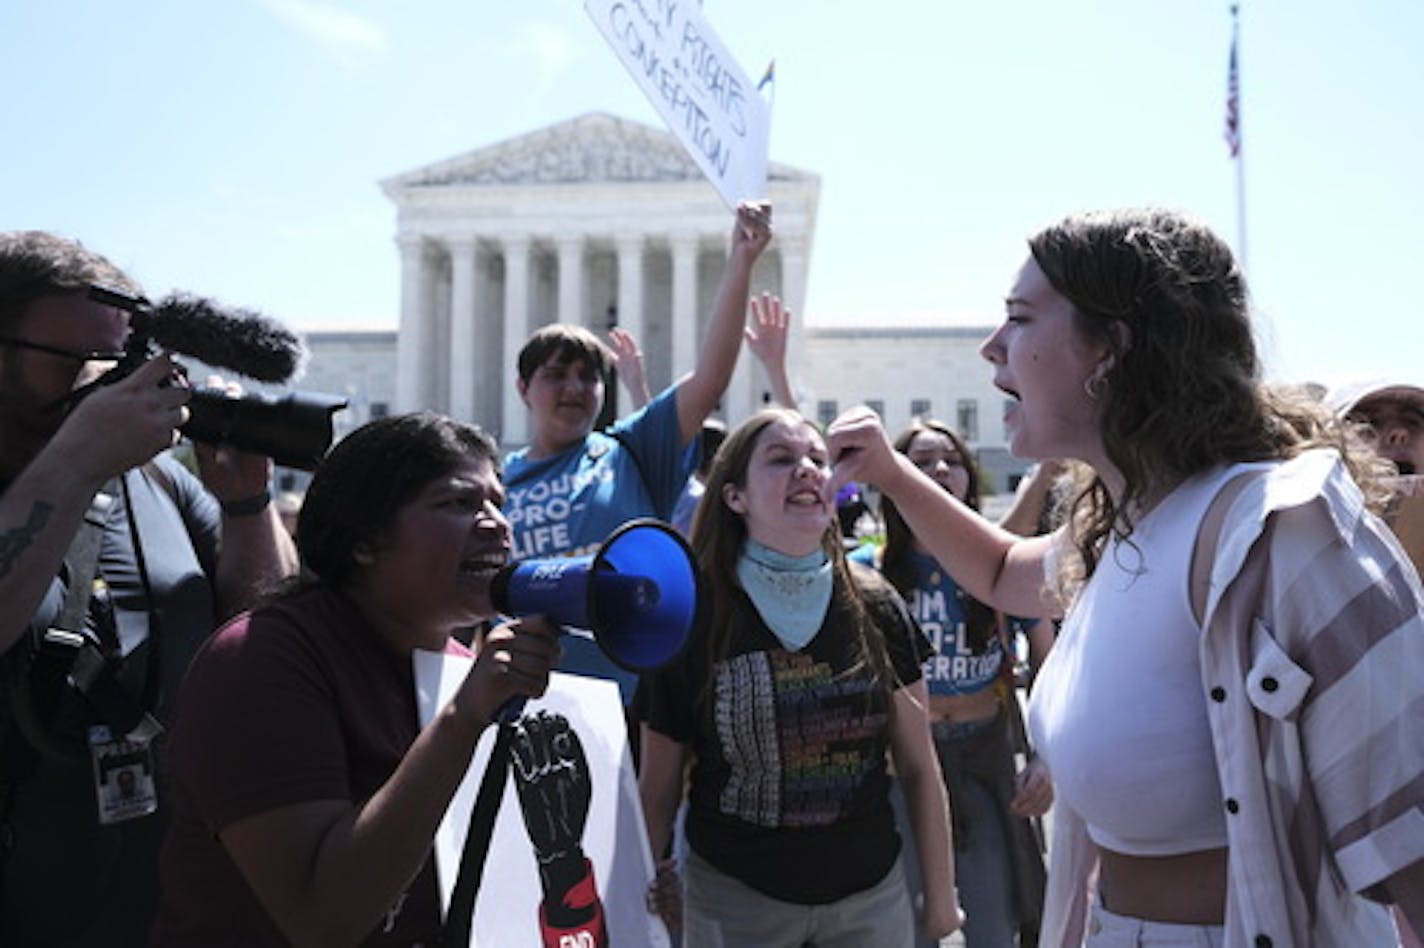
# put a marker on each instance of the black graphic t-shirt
(789, 791)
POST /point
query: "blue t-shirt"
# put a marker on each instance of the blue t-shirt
(568, 504)
(937, 604)
(686, 508)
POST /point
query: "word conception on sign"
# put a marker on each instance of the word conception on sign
(695, 84)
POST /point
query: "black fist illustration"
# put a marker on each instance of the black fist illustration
(552, 778)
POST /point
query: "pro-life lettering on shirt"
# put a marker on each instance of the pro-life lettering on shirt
(539, 513)
(953, 660)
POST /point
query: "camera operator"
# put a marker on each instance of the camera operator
(86, 488)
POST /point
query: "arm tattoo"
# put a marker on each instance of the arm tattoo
(15, 541)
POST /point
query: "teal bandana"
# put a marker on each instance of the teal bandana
(791, 593)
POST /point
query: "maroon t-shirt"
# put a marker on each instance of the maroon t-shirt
(296, 702)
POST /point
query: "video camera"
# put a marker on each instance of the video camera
(293, 429)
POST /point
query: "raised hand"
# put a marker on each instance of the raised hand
(766, 337)
(628, 360)
(752, 231)
(860, 450)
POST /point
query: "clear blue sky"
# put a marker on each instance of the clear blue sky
(233, 147)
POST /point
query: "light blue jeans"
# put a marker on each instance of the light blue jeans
(982, 871)
(720, 912)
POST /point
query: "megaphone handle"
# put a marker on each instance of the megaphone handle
(510, 711)
(512, 708)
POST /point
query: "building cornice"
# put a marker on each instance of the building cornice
(595, 148)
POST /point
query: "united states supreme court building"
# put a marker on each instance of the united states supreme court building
(603, 221)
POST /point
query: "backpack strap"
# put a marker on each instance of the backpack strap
(159, 476)
(622, 439)
(64, 652)
(459, 917)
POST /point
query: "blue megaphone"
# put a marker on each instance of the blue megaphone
(640, 594)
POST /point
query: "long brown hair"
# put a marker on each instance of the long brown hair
(719, 533)
(897, 557)
(1184, 391)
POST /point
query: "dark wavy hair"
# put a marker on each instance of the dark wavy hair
(897, 557)
(1183, 394)
(719, 533)
(366, 479)
(35, 264)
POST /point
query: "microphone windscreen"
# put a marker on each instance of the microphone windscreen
(245, 341)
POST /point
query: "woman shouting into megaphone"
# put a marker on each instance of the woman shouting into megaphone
(307, 797)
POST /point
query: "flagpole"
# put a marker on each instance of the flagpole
(1238, 144)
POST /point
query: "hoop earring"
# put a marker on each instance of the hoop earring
(1093, 386)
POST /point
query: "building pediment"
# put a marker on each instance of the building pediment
(591, 149)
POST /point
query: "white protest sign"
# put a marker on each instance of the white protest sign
(697, 87)
(584, 713)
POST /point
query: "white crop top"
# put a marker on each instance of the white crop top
(1118, 712)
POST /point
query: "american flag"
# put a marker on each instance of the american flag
(1233, 92)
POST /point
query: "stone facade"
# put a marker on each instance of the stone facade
(908, 372)
(601, 221)
(902, 372)
(595, 221)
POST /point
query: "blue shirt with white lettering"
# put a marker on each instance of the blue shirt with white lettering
(937, 603)
(568, 504)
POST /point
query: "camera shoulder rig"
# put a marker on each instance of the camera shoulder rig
(64, 654)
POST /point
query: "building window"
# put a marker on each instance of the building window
(876, 405)
(966, 418)
(919, 408)
(379, 410)
(826, 411)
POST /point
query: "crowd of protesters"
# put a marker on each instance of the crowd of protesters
(209, 734)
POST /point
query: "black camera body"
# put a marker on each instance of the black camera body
(294, 429)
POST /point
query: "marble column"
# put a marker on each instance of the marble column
(414, 332)
(571, 280)
(630, 284)
(684, 302)
(461, 398)
(793, 295)
(514, 429)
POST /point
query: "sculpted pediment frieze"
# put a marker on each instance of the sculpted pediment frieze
(593, 148)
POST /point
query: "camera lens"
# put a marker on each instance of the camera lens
(294, 430)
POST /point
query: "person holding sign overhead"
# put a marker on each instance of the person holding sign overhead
(572, 486)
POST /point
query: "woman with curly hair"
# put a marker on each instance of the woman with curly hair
(974, 714)
(786, 702)
(1230, 712)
